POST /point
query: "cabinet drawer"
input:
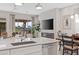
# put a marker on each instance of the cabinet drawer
(36, 53)
(4, 52)
(49, 49)
(26, 50)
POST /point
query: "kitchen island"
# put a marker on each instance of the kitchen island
(43, 46)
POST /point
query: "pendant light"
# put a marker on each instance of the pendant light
(39, 6)
(20, 4)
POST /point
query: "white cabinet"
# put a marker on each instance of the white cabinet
(42, 49)
(27, 50)
(36, 53)
(4, 52)
(49, 49)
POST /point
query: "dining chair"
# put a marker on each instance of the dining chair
(59, 33)
(69, 45)
(4, 35)
(60, 43)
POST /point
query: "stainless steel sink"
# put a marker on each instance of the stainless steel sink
(22, 43)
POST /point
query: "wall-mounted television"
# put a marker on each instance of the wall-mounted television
(48, 24)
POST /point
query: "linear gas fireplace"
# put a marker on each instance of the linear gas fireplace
(47, 35)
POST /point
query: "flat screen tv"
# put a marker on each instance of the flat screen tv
(48, 24)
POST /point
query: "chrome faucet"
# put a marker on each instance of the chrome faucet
(22, 39)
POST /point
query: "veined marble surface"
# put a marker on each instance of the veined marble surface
(6, 43)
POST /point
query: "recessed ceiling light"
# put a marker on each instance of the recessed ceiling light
(39, 6)
(76, 15)
(72, 16)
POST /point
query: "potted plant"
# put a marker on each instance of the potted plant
(35, 29)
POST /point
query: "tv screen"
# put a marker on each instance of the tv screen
(47, 24)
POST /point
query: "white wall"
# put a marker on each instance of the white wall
(77, 27)
(10, 26)
(47, 15)
(23, 16)
(76, 23)
(68, 11)
(56, 15)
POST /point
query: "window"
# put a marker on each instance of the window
(29, 24)
(18, 26)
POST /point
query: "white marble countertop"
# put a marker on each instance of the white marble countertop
(6, 44)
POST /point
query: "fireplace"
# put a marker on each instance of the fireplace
(47, 35)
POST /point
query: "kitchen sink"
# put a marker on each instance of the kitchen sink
(22, 43)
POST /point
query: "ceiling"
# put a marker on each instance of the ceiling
(29, 8)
